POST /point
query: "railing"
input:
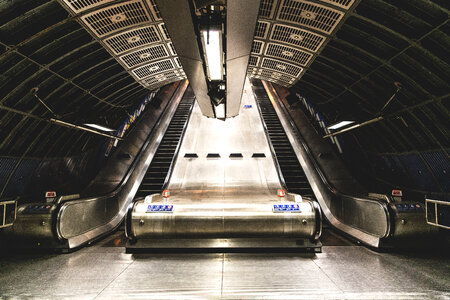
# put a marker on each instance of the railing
(8, 212)
(438, 213)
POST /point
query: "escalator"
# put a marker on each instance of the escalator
(72, 221)
(293, 175)
(373, 219)
(223, 192)
(159, 169)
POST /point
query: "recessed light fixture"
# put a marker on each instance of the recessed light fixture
(340, 124)
(213, 48)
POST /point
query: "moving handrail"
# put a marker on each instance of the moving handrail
(102, 214)
(364, 218)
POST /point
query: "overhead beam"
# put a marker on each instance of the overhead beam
(178, 20)
(241, 23)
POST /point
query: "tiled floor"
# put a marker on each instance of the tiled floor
(341, 271)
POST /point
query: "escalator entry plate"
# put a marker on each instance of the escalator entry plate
(282, 208)
(164, 208)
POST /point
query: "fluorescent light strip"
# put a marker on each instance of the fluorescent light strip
(99, 127)
(213, 53)
(340, 124)
(220, 111)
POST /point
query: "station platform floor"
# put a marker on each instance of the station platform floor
(343, 270)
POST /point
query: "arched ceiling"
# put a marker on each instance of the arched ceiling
(49, 53)
(349, 74)
(350, 70)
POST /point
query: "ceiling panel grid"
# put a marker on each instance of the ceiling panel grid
(133, 33)
(290, 34)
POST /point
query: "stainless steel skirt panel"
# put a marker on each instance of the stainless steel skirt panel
(222, 220)
(35, 226)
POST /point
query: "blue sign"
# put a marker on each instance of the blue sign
(409, 207)
(247, 106)
(160, 208)
(36, 209)
(286, 208)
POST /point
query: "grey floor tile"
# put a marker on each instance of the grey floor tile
(273, 276)
(105, 271)
(169, 276)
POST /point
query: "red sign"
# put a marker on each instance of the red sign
(397, 193)
(281, 193)
(51, 194)
(166, 193)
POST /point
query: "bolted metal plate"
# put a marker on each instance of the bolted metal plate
(132, 39)
(298, 37)
(163, 77)
(153, 68)
(253, 61)
(144, 55)
(275, 76)
(288, 53)
(171, 48)
(117, 17)
(267, 8)
(257, 47)
(155, 10)
(252, 71)
(305, 13)
(262, 28)
(164, 32)
(163, 83)
(177, 61)
(280, 66)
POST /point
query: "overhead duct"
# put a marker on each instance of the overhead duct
(179, 23)
(241, 22)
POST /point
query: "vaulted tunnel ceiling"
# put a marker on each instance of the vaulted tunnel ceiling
(42, 46)
(380, 43)
(351, 77)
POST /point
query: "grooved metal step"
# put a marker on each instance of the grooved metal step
(159, 167)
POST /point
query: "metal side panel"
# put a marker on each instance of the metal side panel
(83, 220)
(367, 220)
(241, 22)
(178, 21)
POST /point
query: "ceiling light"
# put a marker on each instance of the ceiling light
(99, 127)
(212, 43)
(340, 124)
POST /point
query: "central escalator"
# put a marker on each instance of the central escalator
(292, 172)
(223, 191)
(159, 170)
